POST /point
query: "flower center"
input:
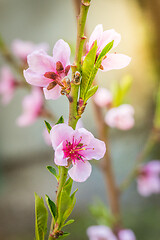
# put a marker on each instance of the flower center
(74, 150)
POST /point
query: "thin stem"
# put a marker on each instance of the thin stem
(73, 99)
(73, 116)
(107, 169)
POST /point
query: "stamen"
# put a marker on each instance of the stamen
(51, 75)
(51, 85)
(59, 67)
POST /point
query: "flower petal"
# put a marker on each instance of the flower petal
(100, 232)
(96, 149)
(40, 62)
(59, 133)
(84, 135)
(115, 61)
(126, 234)
(108, 36)
(96, 35)
(36, 79)
(59, 156)
(103, 97)
(26, 119)
(61, 52)
(80, 171)
(53, 93)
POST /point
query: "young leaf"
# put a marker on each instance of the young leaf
(105, 50)
(157, 111)
(70, 207)
(68, 185)
(90, 93)
(65, 234)
(61, 120)
(53, 171)
(87, 68)
(48, 126)
(69, 222)
(52, 207)
(41, 216)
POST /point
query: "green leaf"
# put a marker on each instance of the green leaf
(105, 50)
(48, 126)
(87, 68)
(68, 186)
(65, 234)
(69, 222)
(90, 93)
(41, 216)
(53, 171)
(61, 120)
(52, 207)
(70, 206)
(125, 85)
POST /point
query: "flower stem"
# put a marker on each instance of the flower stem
(73, 116)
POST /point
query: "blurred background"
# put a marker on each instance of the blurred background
(23, 152)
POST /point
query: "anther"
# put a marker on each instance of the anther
(51, 85)
(51, 75)
(59, 67)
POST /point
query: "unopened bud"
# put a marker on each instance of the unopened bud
(77, 78)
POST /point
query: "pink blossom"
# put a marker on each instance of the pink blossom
(149, 178)
(49, 72)
(7, 85)
(46, 134)
(120, 117)
(100, 232)
(111, 60)
(32, 106)
(21, 49)
(126, 234)
(75, 147)
(103, 97)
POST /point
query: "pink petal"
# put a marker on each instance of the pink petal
(126, 234)
(53, 93)
(153, 167)
(115, 61)
(46, 137)
(61, 52)
(80, 171)
(26, 119)
(59, 133)
(40, 62)
(22, 48)
(59, 156)
(100, 232)
(103, 97)
(84, 135)
(95, 150)
(96, 35)
(108, 36)
(36, 79)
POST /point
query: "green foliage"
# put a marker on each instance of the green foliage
(53, 171)
(69, 222)
(61, 120)
(41, 216)
(120, 89)
(65, 234)
(52, 207)
(157, 111)
(102, 214)
(89, 70)
(66, 204)
(91, 92)
(48, 126)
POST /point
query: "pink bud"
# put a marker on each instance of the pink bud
(103, 97)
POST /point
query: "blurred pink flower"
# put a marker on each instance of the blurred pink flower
(149, 178)
(120, 117)
(75, 147)
(48, 72)
(21, 49)
(32, 106)
(46, 134)
(126, 234)
(103, 97)
(100, 232)
(111, 60)
(7, 85)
